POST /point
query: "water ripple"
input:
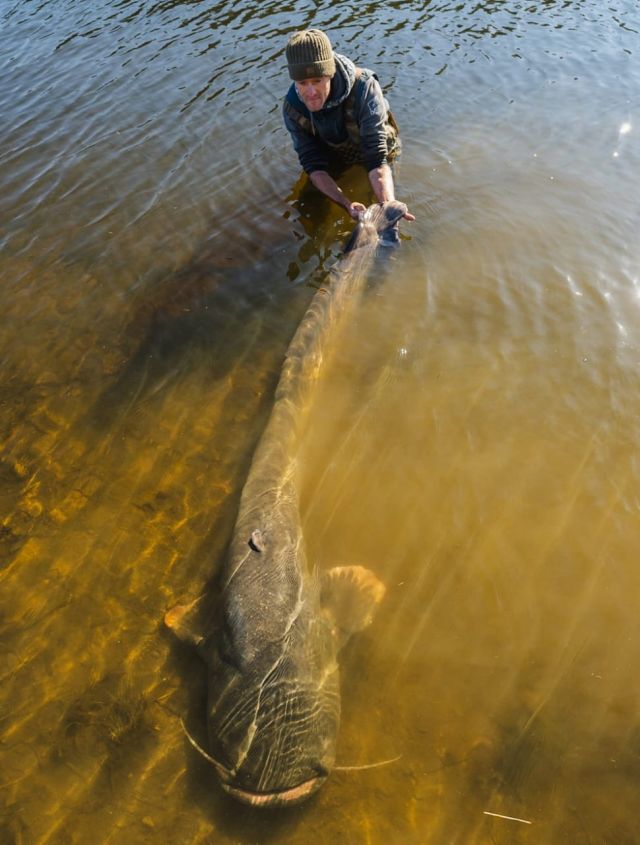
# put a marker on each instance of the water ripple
(474, 438)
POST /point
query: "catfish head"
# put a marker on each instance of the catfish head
(273, 709)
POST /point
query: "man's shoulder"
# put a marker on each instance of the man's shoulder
(366, 73)
(367, 80)
(366, 89)
(365, 84)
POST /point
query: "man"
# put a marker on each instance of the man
(337, 115)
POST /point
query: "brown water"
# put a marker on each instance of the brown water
(473, 439)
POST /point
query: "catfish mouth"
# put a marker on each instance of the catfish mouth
(277, 798)
(283, 798)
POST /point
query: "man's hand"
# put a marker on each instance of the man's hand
(356, 209)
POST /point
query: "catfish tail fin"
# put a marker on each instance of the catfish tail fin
(385, 216)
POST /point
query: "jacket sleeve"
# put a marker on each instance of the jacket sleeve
(372, 117)
(310, 150)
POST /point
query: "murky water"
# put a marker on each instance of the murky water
(473, 438)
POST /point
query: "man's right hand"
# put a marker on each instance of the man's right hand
(356, 209)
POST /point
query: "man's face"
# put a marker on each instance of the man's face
(314, 92)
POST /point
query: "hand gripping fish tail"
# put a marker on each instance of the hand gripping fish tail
(386, 217)
(378, 224)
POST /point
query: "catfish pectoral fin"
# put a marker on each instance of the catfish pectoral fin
(351, 594)
(184, 621)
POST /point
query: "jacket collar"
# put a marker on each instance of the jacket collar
(342, 82)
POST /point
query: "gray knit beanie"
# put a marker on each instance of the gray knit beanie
(309, 54)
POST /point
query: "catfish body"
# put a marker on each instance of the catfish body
(272, 642)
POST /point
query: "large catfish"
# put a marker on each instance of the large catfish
(271, 637)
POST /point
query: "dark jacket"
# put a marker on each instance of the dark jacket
(327, 129)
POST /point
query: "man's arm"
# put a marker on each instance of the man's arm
(313, 160)
(372, 117)
(381, 180)
(310, 150)
(323, 182)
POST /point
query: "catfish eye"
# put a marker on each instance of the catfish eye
(256, 541)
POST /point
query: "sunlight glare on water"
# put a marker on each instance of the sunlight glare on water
(472, 437)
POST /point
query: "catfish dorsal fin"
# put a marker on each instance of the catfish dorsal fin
(184, 620)
(351, 595)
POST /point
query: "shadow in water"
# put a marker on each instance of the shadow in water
(110, 715)
(231, 306)
(203, 311)
(233, 300)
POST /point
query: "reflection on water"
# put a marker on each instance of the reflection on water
(473, 437)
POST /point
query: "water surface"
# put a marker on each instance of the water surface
(472, 438)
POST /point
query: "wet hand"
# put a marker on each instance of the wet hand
(356, 210)
(409, 216)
